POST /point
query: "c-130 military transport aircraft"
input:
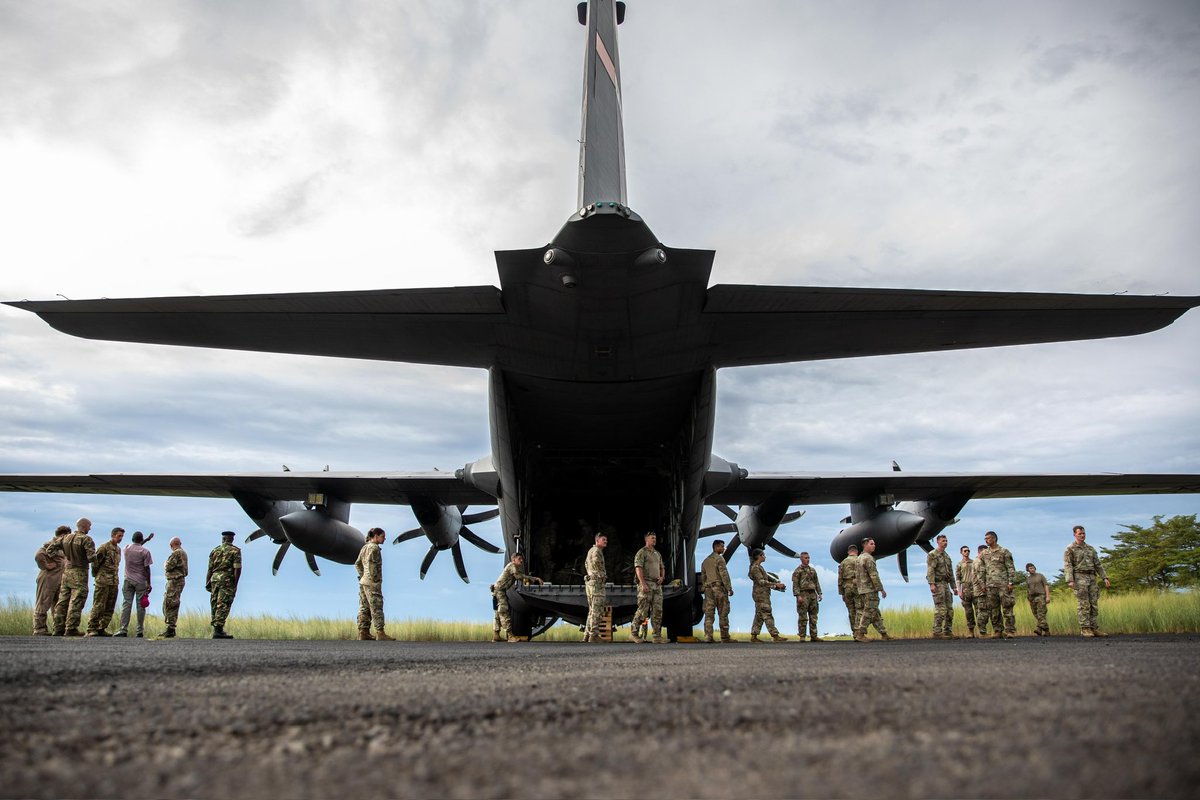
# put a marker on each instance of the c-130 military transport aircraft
(602, 349)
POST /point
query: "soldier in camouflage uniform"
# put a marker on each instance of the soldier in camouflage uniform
(939, 574)
(224, 572)
(79, 550)
(369, 566)
(502, 624)
(1081, 565)
(714, 579)
(983, 611)
(1000, 576)
(763, 583)
(807, 590)
(1038, 592)
(596, 575)
(848, 584)
(50, 560)
(870, 588)
(964, 573)
(176, 571)
(105, 568)
(651, 573)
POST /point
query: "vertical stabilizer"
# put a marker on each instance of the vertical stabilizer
(602, 142)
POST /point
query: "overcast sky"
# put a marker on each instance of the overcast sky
(213, 148)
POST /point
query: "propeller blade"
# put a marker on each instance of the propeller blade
(462, 507)
(404, 537)
(716, 530)
(902, 559)
(433, 551)
(792, 516)
(283, 548)
(726, 510)
(458, 562)
(481, 516)
(482, 544)
(258, 534)
(926, 546)
(781, 548)
(734, 543)
(312, 563)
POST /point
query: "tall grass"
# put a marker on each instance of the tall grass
(1146, 612)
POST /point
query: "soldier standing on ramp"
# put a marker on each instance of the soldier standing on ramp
(224, 572)
(596, 575)
(869, 590)
(763, 584)
(983, 611)
(176, 571)
(369, 566)
(807, 590)
(651, 573)
(502, 624)
(848, 584)
(1038, 592)
(105, 568)
(50, 561)
(964, 572)
(939, 574)
(79, 550)
(1000, 576)
(714, 578)
(1081, 565)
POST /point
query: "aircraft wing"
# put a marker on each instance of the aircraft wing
(851, 487)
(387, 488)
(450, 326)
(778, 324)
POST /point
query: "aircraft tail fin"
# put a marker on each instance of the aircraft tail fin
(602, 141)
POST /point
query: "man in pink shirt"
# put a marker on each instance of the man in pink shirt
(136, 584)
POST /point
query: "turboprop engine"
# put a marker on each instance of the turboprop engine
(318, 527)
(755, 526)
(443, 525)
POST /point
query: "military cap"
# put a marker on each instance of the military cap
(228, 533)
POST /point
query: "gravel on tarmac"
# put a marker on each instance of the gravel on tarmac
(1060, 717)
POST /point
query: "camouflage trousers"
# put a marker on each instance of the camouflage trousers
(370, 606)
(649, 606)
(104, 603)
(1037, 604)
(716, 602)
(597, 599)
(1087, 597)
(983, 611)
(868, 614)
(72, 596)
(222, 590)
(502, 620)
(943, 608)
(806, 613)
(48, 584)
(171, 599)
(968, 604)
(762, 612)
(1000, 605)
(851, 601)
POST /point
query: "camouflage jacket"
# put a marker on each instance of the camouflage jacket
(1084, 559)
(224, 559)
(804, 579)
(714, 570)
(369, 564)
(939, 568)
(1000, 569)
(763, 582)
(79, 549)
(594, 566)
(106, 564)
(979, 574)
(848, 576)
(176, 568)
(964, 571)
(650, 560)
(508, 576)
(868, 575)
(49, 557)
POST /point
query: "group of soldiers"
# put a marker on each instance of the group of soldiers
(62, 582)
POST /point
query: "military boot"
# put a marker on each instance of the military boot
(728, 640)
(633, 637)
(496, 637)
(364, 635)
(708, 639)
(1099, 634)
(658, 639)
(380, 636)
(886, 637)
(513, 639)
(815, 639)
(775, 637)
(754, 639)
(219, 633)
(861, 638)
(169, 633)
(74, 632)
(1087, 633)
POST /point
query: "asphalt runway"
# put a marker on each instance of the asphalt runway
(1062, 717)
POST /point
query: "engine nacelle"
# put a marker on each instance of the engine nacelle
(266, 513)
(441, 524)
(756, 525)
(937, 515)
(315, 531)
(893, 531)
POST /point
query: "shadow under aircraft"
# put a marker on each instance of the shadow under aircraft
(602, 349)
